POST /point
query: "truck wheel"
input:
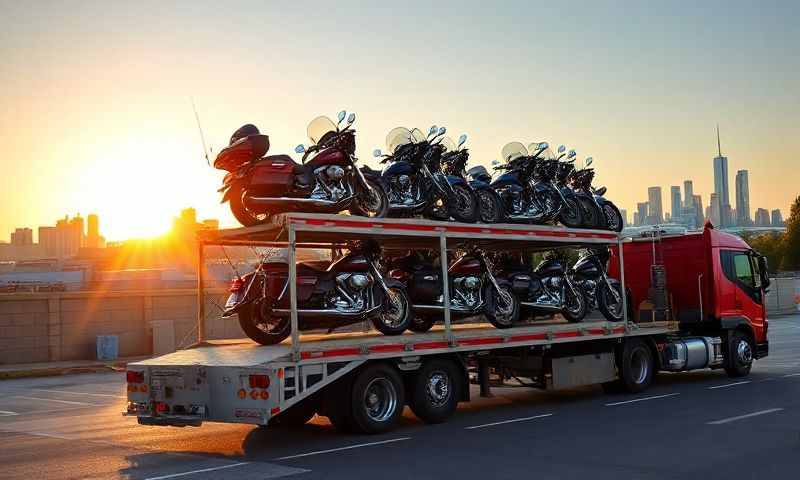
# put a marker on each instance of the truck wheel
(636, 366)
(377, 399)
(422, 323)
(738, 354)
(435, 391)
(337, 407)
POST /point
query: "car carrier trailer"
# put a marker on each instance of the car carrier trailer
(362, 380)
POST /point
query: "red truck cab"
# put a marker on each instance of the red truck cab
(711, 282)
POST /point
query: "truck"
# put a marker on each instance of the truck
(691, 301)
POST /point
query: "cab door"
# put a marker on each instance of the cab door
(742, 269)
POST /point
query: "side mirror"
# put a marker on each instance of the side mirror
(351, 119)
(562, 149)
(377, 153)
(544, 146)
(462, 139)
(589, 161)
(442, 130)
(571, 154)
(342, 114)
(432, 131)
(495, 163)
(299, 149)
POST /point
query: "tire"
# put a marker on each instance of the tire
(421, 324)
(738, 354)
(571, 215)
(636, 367)
(395, 316)
(435, 390)
(489, 206)
(256, 314)
(501, 315)
(377, 399)
(243, 215)
(463, 206)
(605, 302)
(337, 406)
(574, 312)
(591, 217)
(376, 206)
(612, 218)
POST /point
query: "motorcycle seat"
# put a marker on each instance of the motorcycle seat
(600, 191)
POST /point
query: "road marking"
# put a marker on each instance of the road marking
(6, 413)
(741, 417)
(202, 470)
(513, 420)
(642, 399)
(79, 393)
(792, 375)
(729, 385)
(766, 379)
(68, 402)
(350, 447)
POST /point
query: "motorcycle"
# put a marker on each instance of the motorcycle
(348, 290)
(454, 163)
(415, 183)
(259, 186)
(598, 212)
(473, 289)
(572, 213)
(549, 287)
(526, 187)
(601, 292)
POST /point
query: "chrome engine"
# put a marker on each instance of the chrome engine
(353, 293)
(466, 292)
(401, 190)
(330, 184)
(550, 293)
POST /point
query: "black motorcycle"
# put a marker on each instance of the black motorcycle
(547, 288)
(454, 163)
(598, 212)
(473, 289)
(526, 188)
(414, 180)
(348, 290)
(601, 291)
(259, 186)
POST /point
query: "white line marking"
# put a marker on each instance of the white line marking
(514, 420)
(741, 417)
(203, 470)
(766, 379)
(792, 375)
(6, 413)
(79, 393)
(730, 385)
(642, 399)
(342, 448)
(68, 402)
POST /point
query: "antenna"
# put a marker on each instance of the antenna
(719, 149)
(200, 128)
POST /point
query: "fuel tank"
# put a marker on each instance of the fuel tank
(467, 265)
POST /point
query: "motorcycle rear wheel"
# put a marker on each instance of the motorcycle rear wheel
(571, 215)
(242, 214)
(261, 327)
(491, 209)
(613, 217)
(463, 206)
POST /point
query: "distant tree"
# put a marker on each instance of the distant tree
(771, 245)
(791, 256)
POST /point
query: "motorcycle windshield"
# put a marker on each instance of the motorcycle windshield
(448, 144)
(397, 137)
(513, 150)
(319, 127)
(417, 136)
(546, 154)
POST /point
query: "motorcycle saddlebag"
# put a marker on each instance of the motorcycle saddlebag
(242, 151)
(425, 286)
(272, 177)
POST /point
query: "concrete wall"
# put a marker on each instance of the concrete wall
(40, 327)
(783, 296)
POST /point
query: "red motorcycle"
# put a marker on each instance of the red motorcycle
(259, 186)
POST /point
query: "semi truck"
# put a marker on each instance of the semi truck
(692, 301)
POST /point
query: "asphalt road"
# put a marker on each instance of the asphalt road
(691, 425)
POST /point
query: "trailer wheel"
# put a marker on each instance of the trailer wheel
(435, 391)
(636, 366)
(377, 399)
(738, 354)
(337, 406)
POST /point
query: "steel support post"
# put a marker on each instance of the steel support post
(292, 258)
(625, 318)
(445, 285)
(201, 294)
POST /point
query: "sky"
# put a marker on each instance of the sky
(96, 116)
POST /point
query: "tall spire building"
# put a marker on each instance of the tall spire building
(723, 198)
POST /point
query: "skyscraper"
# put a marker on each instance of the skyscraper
(624, 214)
(721, 185)
(714, 210)
(688, 194)
(93, 238)
(742, 199)
(762, 217)
(698, 210)
(777, 218)
(641, 213)
(675, 203)
(656, 212)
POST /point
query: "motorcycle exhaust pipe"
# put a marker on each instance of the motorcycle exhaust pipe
(254, 203)
(316, 313)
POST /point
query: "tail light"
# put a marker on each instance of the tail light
(162, 407)
(259, 381)
(236, 285)
(134, 377)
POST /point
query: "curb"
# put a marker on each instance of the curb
(57, 371)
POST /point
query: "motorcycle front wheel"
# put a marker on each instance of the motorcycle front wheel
(373, 203)
(591, 217)
(491, 209)
(395, 313)
(242, 214)
(502, 309)
(574, 306)
(463, 206)
(571, 215)
(262, 327)
(608, 305)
